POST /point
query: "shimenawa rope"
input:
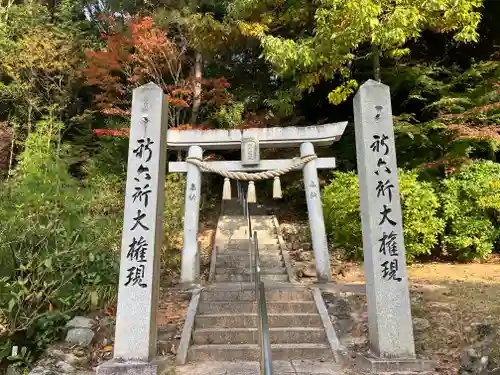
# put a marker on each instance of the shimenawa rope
(258, 176)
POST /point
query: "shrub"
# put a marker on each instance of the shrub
(58, 245)
(419, 203)
(341, 211)
(173, 220)
(60, 238)
(230, 116)
(421, 222)
(471, 208)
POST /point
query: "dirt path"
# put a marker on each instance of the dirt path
(452, 298)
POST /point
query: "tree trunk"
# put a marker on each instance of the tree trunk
(376, 63)
(198, 66)
(6, 147)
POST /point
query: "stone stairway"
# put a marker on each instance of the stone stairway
(233, 259)
(224, 327)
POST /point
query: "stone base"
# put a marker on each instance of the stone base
(370, 364)
(117, 367)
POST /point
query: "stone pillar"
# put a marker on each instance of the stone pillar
(135, 337)
(316, 220)
(190, 252)
(389, 314)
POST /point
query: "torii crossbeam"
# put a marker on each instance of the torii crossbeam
(250, 140)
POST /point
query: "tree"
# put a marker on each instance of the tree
(334, 34)
(39, 56)
(200, 34)
(140, 52)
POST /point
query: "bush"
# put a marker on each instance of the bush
(419, 203)
(173, 220)
(471, 208)
(60, 238)
(421, 221)
(56, 259)
(341, 212)
(230, 116)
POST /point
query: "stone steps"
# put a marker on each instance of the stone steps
(250, 320)
(242, 254)
(281, 335)
(248, 307)
(251, 352)
(230, 262)
(225, 324)
(244, 247)
(242, 257)
(262, 241)
(263, 238)
(264, 256)
(261, 231)
(295, 367)
(248, 271)
(272, 295)
(240, 277)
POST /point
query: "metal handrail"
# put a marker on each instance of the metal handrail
(246, 213)
(266, 363)
(266, 367)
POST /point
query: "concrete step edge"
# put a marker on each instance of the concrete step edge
(208, 307)
(273, 329)
(253, 302)
(256, 346)
(246, 277)
(246, 254)
(245, 271)
(236, 288)
(255, 314)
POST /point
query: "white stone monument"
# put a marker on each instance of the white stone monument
(389, 314)
(135, 334)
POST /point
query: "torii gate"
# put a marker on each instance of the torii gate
(391, 340)
(250, 141)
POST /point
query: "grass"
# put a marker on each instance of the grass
(453, 298)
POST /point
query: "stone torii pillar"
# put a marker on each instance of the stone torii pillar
(316, 219)
(190, 252)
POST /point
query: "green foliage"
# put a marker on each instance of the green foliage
(454, 113)
(173, 220)
(341, 208)
(56, 258)
(445, 91)
(230, 116)
(422, 226)
(420, 204)
(60, 238)
(471, 208)
(463, 210)
(334, 32)
(39, 55)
